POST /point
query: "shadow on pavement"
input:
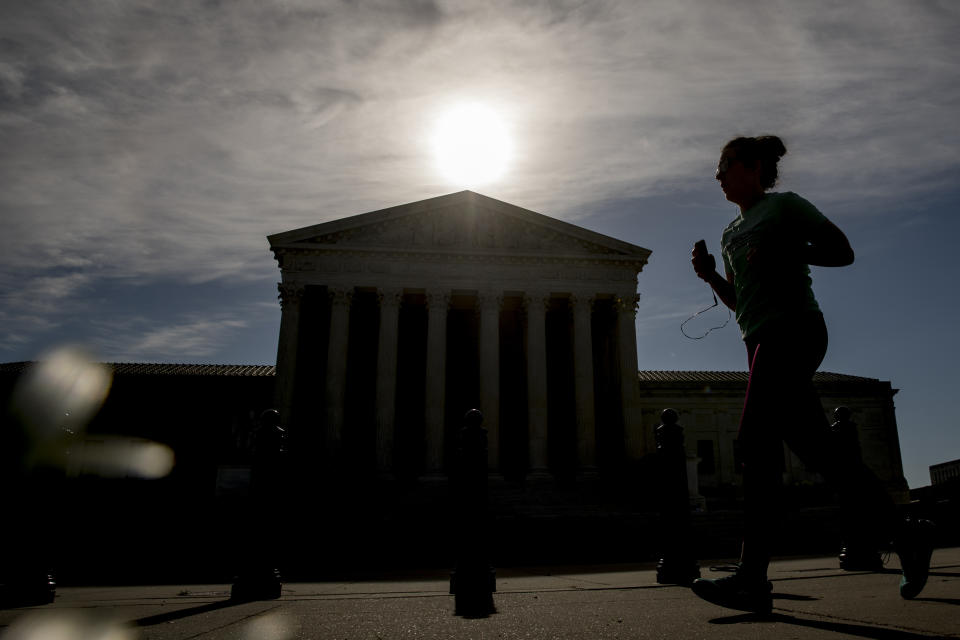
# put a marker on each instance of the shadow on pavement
(791, 596)
(860, 630)
(939, 600)
(185, 613)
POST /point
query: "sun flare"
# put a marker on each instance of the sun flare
(471, 145)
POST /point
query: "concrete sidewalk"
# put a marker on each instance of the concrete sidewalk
(813, 598)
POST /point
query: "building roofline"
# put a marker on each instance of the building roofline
(261, 370)
(297, 239)
(737, 376)
(167, 369)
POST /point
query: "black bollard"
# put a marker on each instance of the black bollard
(258, 577)
(857, 552)
(32, 497)
(474, 580)
(677, 564)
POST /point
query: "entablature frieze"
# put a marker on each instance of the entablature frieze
(458, 274)
(302, 258)
(439, 295)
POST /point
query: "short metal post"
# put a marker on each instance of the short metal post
(677, 564)
(857, 552)
(259, 577)
(30, 492)
(474, 580)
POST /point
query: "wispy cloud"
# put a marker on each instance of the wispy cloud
(37, 304)
(185, 339)
(151, 140)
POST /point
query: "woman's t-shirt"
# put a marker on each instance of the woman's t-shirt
(778, 284)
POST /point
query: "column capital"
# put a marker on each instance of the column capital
(340, 296)
(389, 297)
(532, 297)
(627, 303)
(583, 300)
(490, 300)
(438, 299)
(290, 294)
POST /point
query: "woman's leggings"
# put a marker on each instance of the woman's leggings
(782, 405)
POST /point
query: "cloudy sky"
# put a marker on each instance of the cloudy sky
(147, 148)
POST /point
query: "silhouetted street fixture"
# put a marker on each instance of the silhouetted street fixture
(857, 552)
(677, 564)
(474, 580)
(259, 577)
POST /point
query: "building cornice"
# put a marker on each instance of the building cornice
(437, 255)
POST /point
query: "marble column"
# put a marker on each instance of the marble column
(536, 316)
(387, 375)
(583, 382)
(635, 439)
(336, 380)
(438, 303)
(290, 297)
(489, 303)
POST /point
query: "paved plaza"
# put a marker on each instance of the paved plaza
(813, 598)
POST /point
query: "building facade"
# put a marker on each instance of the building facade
(709, 404)
(396, 322)
(945, 472)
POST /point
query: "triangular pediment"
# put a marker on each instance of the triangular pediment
(459, 222)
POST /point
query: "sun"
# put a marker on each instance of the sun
(471, 145)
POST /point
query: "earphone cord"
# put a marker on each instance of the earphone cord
(715, 304)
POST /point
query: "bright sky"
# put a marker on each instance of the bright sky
(149, 147)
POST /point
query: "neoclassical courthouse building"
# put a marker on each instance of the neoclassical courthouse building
(396, 322)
